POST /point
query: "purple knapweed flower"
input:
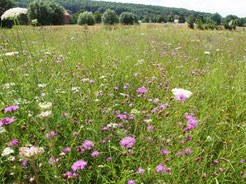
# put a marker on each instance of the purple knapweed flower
(14, 142)
(7, 121)
(11, 108)
(65, 150)
(131, 182)
(191, 122)
(164, 152)
(142, 90)
(160, 168)
(187, 151)
(127, 142)
(108, 159)
(181, 97)
(88, 145)
(95, 154)
(79, 165)
(140, 171)
(50, 135)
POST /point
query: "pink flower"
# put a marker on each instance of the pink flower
(66, 115)
(95, 154)
(181, 97)
(66, 149)
(79, 165)
(14, 142)
(127, 142)
(11, 108)
(88, 144)
(131, 182)
(187, 151)
(160, 168)
(140, 171)
(51, 134)
(142, 90)
(7, 121)
(191, 122)
(164, 152)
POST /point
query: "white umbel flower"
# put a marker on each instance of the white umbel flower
(7, 151)
(44, 114)
(13, 13)
(45, 105)
(29, 153)
(207, 52)
(179, 91)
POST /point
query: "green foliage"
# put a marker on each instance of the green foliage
(110, 17)
(98, 17)
(86, 18)
(101, 6)
(228, 18)
(199, 24)
(170, 18)
(7, 23)
(5, 5)
(146, 19)
(181, 18)
(47, 13)
(74, 17)
(211, 26)
(128, 18)
(216, 18)
(201, 18)
(231, 26)
(161, 19)
(191, 21)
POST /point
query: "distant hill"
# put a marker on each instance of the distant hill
(74, 6)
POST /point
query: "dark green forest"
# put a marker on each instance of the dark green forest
(74, 6)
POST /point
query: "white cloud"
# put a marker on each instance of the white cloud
(223, 7)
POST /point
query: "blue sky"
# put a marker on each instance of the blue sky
(223, 7)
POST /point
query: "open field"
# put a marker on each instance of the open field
(96, 105)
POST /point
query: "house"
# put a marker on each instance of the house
(67, 17)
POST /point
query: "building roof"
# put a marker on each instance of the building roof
(66, 13)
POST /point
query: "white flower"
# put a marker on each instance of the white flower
(41, 150)
(2, 130)
(7, 85)
(11, 158)
(41, 85)
(13, 13)
(29, 153)
(134, 111)
(179, 91)
(45, 105)
(114, 125)
(75, 89)
(11, 53)
(7, 151)
(207, 52)
(44, 114)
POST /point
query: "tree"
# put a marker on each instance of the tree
(128, 18)
(191, 21)
(161, 19)
(200, 17)
(86, 18)
(181, 18)
(98, 17)
(5, 5)
(110, 17)
(230, 17)
(170, 18)
(146, 19)
(74, 17)
(216, 18)
(46, 13)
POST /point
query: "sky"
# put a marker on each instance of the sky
(223, 7)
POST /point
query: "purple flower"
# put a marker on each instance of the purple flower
(164, 152)
(220, 169)
(127, 142)
(7, 121)
(140, 171)
(79, 165)
(66, 149)
(75, 175)
(11, 108)
(66, 115)
(181, 97)
(160, 168)
(108, 159)
(14, 142)
(95, 154)
(142, 90)
(88, 144)
(51, 134)
(187, 151)
(68, 173)
(242, 161)
(191, 122)
(131, 182)
(91, 81)
(216, 161)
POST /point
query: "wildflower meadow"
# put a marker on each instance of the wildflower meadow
(122, 104)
